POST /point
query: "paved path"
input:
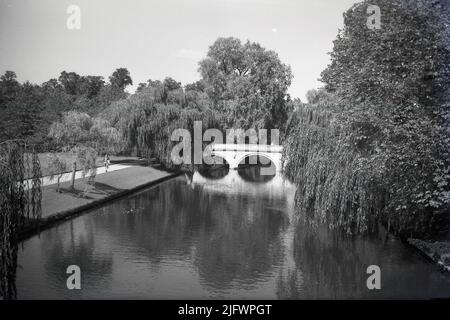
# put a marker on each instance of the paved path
(78, 175)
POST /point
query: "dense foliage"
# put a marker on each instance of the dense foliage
(76, 128)
(376, 146)
(27, 110)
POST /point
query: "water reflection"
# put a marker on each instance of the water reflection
(255, 174)
(333, 266)
(213, 172)
(226, 237)
(246, 181)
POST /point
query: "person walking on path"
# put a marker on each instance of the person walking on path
(107, 162)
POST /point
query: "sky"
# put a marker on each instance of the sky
(157, 39)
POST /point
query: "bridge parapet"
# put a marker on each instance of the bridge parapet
(248, 147)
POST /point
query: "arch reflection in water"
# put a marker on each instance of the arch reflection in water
(246, 180)
(214, 172)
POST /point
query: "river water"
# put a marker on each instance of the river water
(233, 235)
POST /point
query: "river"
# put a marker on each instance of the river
(231, 235)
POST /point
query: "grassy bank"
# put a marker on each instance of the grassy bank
(59, 206)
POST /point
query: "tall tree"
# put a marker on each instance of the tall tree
(70, 82)
(170, 84)
(91, 85)
(22, 116)
(121, 78)
(246, 82)
(9, 87)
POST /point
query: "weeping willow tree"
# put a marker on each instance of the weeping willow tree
(337, 184)
(351, 183)
(147, 124)
(86, 158)
(20, 204)
(154, 135)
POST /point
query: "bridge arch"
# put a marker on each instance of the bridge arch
(256, 154)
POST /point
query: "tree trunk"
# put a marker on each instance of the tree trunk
(74, 170)
(58, 184)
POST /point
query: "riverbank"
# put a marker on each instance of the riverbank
(435, 251)
(436, 247)
(59, 206)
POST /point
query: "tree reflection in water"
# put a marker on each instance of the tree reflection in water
(226, 237)
(333, 265)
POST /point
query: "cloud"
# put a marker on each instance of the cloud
(190, 54)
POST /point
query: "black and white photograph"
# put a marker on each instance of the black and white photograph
(218, 150)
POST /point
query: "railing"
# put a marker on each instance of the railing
(248, 147)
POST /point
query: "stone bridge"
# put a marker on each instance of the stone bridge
(234, 154)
